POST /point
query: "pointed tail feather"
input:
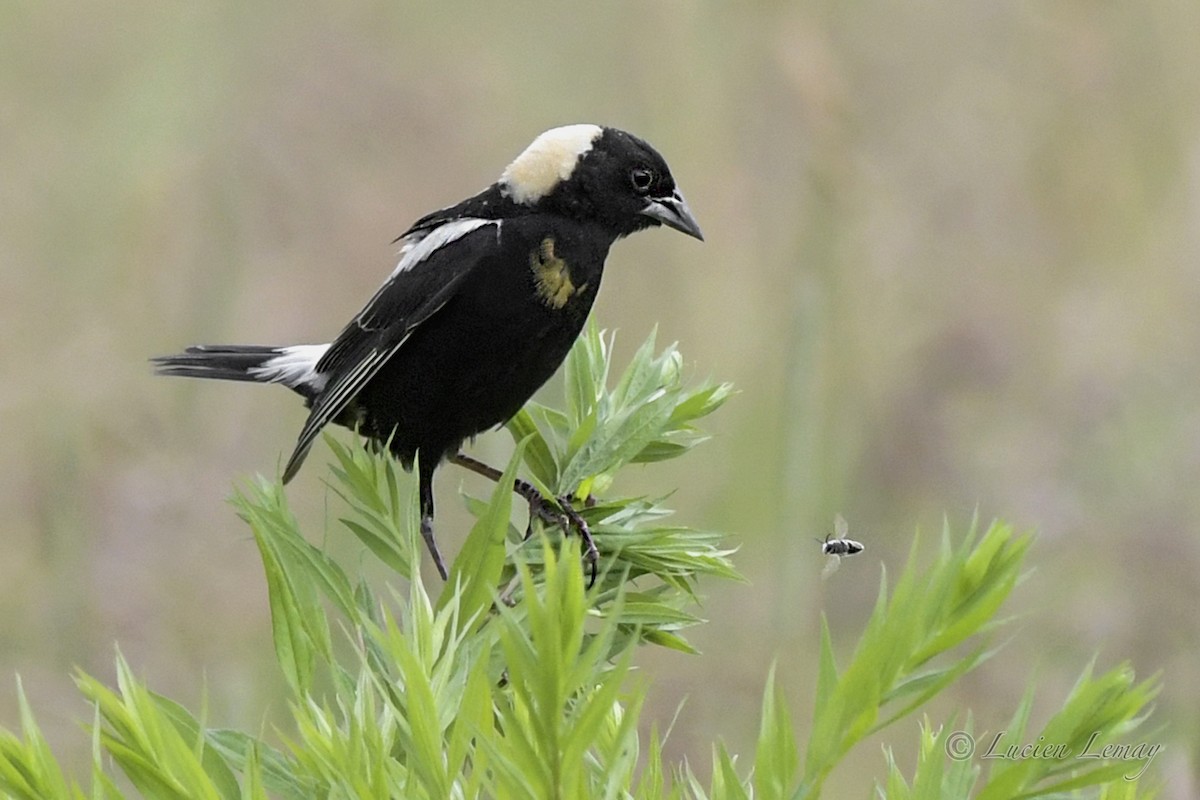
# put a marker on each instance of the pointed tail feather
(232, 363)
(294, 367)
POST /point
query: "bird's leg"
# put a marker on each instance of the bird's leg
(537, 504)
(539, 507)
(426, 489)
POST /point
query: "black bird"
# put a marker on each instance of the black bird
(481, 309)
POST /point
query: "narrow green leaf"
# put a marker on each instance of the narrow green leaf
(479, 563)
(385, 549)
(538, 456)
(293, 648)
(671, 641)
(190, 729)
(777, 760)
(279, 774)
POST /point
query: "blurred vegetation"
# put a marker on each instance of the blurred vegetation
(952, 262)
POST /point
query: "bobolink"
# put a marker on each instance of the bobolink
(481, 309)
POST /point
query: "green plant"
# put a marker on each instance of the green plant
(514, 680)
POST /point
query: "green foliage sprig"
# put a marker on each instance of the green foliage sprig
(513, 681)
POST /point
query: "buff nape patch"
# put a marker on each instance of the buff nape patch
(547, 161)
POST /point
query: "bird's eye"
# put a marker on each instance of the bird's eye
(641, 179)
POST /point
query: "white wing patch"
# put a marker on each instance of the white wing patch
(334, 397)
(549, 160)
(419, 245)
(294, 366)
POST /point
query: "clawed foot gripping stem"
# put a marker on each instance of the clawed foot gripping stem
(564, 515)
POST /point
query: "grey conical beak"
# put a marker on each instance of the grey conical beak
(673, 212)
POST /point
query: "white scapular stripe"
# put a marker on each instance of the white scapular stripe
(418, 246)
(294, 366)
(549, 160)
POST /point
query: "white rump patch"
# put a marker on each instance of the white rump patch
(418, 246)
(549, 160)
(294, 366)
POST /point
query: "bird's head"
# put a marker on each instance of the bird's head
(598, 174)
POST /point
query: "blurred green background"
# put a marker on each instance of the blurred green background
(953, 264)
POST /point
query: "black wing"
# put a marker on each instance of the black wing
(433, 264)
(488, 204)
